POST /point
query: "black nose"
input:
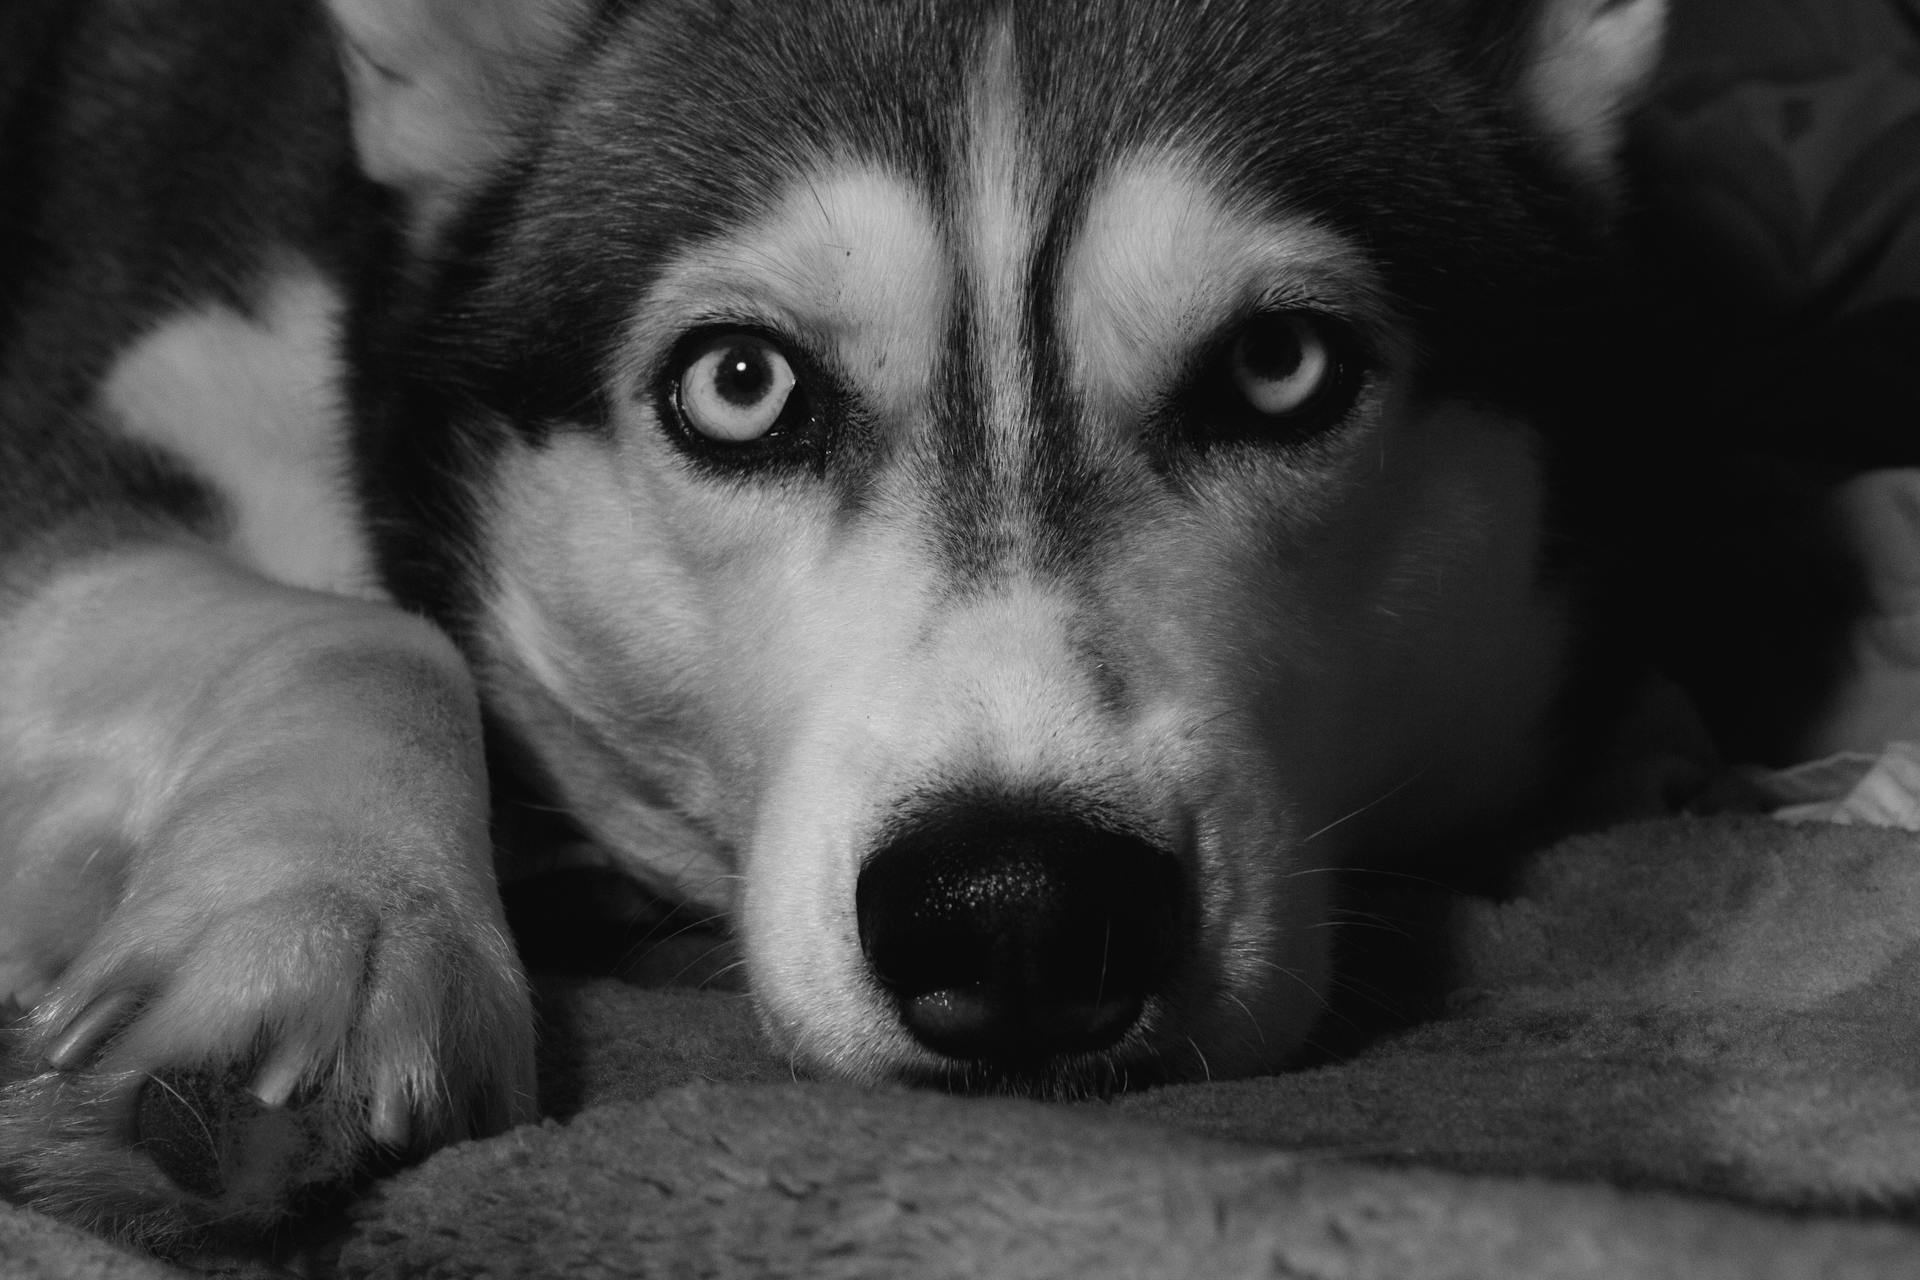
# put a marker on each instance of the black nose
(1017, 939)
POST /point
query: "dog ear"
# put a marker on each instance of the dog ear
(436, 85)
(1584, 65)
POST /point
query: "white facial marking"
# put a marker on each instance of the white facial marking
(640, 613)
(253, 406)
(999, 220)
(593, 626)
(999, 226)
(849, 259)
(1163, 261)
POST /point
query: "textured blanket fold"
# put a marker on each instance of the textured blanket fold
(1683, 1048)
(1729, 1007)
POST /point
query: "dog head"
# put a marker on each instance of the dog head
(1002, 501)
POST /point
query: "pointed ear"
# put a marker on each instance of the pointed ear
(1587, 63)
(436, 85)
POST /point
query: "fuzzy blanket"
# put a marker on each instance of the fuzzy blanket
(1688, 1048)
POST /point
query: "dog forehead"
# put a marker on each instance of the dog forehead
(695, 121)
(850, 256)
(1130, 257)
(711, 108)
(816, 145)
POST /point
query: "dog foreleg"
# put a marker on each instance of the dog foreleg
(246, 890)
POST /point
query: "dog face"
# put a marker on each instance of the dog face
(1004, 502)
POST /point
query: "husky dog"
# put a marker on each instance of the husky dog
(998, 501)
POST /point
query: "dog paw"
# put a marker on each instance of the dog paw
(210, 1070)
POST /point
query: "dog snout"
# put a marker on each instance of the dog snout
(1019, 940)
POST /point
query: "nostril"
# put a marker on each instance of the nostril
(1021, 938)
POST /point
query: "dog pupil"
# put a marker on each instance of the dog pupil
(743, 377)
(1272, 352)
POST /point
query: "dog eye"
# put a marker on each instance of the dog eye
(735, 388)
(1288, 367)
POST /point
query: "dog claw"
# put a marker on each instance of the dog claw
(90, 1027)
(390, 1120)
(274, 1084)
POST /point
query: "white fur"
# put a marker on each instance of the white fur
(597, 634)
(999, 228)
(1591, 59)
(851, 265)
(436, 85)
(1164, 261)
(252, 405)
(184, 746)
(850, 260)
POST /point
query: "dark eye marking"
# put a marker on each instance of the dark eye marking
(1277, 378)
(740, 399)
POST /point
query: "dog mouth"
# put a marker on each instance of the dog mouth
(1022, 949)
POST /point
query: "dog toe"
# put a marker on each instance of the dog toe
(390, 1118)
(87, 1031)
(215, 1084)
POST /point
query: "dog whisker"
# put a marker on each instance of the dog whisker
(693, 965)
(1378, 800)
(731, 966)
(1206, 1068)
(1372, 922)
(1252, 1018)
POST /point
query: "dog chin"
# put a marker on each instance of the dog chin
(1080, 1076)
(1236, 1035)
